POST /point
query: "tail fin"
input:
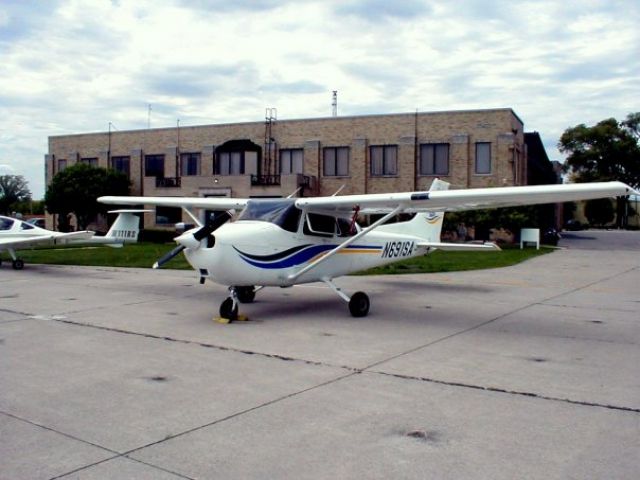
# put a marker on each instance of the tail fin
(427, 226)
(126, 227)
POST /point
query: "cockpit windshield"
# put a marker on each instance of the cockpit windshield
(281, 212)
(6, 223)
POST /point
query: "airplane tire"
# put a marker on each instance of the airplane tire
(227, 309)
(246, 294)
(17, 264)
(359, 304)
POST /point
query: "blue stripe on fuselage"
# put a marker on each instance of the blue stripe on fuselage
(297, 258)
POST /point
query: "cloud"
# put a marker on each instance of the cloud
(22, 18)
(293, 88)
(378, 10)
(234, 6)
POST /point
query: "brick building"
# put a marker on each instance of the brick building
(366, 154)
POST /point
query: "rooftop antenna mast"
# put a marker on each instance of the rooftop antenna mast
(334, 104)
(271, 115)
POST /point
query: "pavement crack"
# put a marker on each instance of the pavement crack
(583, 403)
(242, 412)
(204, 344)
(499, 317)
(115, 453)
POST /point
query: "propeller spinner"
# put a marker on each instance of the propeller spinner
(192, 239)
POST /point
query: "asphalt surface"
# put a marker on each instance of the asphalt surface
(528, 372)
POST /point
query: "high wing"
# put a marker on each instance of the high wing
(211, 203)
(459, 200)
(51, 239)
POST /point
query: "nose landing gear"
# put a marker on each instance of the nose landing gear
(237, 294)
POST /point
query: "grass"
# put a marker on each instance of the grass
(140, 255)
(440, 261)
(143, 255)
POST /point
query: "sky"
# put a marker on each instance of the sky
(77, 66)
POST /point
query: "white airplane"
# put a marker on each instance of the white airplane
(16, 234)
(288, 241)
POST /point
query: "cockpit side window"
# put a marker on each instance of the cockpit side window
(319, 225)
(6, 223)
(26, 226)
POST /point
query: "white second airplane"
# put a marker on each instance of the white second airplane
(16, 234)
(283, 242)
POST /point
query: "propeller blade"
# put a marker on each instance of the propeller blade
(210, 227)
(168, 256)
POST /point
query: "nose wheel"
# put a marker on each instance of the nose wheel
(229, 309)
(237, 295)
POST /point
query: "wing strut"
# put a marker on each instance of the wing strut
(346, 243)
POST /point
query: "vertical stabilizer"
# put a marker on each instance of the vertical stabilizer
(126, 228)
(426, 226)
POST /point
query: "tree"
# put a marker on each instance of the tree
(610, 150)
(13, 189)
(76, 189)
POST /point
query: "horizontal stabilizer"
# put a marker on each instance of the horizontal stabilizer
(486, 247)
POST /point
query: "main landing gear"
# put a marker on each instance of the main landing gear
(358, 302)
(237, 294)
(16, 263)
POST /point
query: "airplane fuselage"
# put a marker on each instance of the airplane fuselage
(261, 253)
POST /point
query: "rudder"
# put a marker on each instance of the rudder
(427, 226)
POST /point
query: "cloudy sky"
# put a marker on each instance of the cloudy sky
(74, 66)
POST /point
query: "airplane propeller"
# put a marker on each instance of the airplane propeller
(192, 238)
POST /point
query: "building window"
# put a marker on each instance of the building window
(168, 215)
(384, 160)
(189, 164)
(335, 161)
(62, 164)
(434, 159)
(291, 161)
(229, 163)
(121, 164)
(154, 166)
(90, 161)
(483, 158)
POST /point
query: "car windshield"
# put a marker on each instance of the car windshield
(5, 223)
(281, 212)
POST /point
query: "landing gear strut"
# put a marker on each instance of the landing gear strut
(246, 294)
(358, 303)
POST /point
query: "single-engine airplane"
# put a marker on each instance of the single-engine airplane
(289, 241)
(16, 234)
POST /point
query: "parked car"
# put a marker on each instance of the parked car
(551, 236)
(573, 225)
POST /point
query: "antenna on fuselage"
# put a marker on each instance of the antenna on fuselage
(339, 190)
